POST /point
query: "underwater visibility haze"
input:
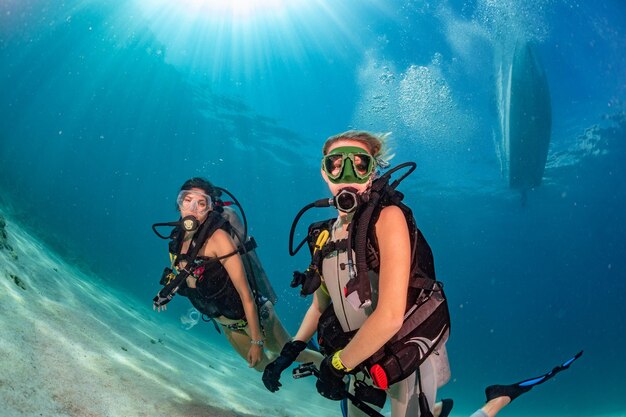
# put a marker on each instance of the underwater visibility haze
(514, 112)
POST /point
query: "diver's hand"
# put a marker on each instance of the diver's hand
(255, 353)
(158, 308)
(289, 353)
(159, 303)
(330, 383)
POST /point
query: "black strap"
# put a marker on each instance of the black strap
(248, 246)
(213, 222)
(422, 283)
(332, 246)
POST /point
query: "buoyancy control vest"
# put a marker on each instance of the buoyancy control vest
(215, 293)
(426, 322)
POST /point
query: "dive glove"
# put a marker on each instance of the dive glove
(289, 353)
(160, 301)
(330, 382)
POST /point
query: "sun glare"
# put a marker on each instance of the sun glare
(235, 40)
(235, 8)
(228, 37)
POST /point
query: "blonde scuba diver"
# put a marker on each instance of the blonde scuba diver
(380, 314)
(359, 301)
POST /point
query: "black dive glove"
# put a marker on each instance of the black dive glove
(159, 301)
(171, 288)
(271, 374)
(330, 382)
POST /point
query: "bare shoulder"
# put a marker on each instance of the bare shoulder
(220, 234)
(390, 217)
(221, 237)
(219, 244)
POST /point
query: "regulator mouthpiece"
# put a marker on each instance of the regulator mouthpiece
(187, 223)
(347, 200)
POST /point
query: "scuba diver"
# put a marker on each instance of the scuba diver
(381, 317)
(213, 263)
(380, 314)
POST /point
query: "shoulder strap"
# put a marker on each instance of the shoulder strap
(213, 222)
(422, 262)
(422, 274)
(176, 242)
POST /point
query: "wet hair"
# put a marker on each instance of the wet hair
(203, 184)
(377, 144)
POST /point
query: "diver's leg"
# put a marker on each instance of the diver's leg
(275, 333)
(437, 409)
(494, 405)
(277, 336)
(241, 343)
(237, 341)
(405, 394)
(442, 367)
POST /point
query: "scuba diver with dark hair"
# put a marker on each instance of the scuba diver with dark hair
(380, 314)
(213, 263)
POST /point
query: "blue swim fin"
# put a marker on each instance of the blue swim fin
(515, 390)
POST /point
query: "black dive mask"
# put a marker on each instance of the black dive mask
(187, 223)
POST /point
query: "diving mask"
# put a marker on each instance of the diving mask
(348, 165)
(194, 201)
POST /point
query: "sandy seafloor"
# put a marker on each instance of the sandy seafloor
(71, 346)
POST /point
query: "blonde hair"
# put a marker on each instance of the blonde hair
(378, 144)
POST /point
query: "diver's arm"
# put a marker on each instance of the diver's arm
(233, 265)
(308, 327)
(395, 257)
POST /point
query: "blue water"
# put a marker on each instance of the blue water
(106, 108)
